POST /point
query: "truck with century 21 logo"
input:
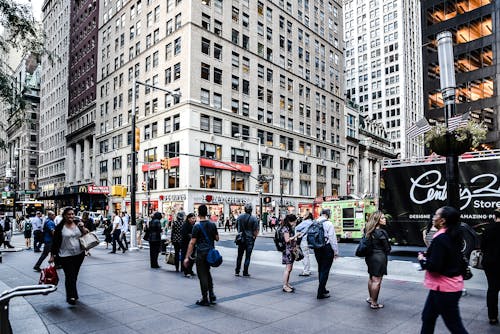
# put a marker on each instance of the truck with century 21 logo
(411, 190)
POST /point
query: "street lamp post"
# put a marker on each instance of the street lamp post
(259, 177)
(448, 85)
(133, 180)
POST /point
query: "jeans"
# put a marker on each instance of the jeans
(306, 261)
(177, 249)
(189, 269)
(71, 266)
(446, 305)
(45, 253)
(154, 250)
(204, 275)
(246, 248)
(117, 238)
(324, 257)
(493, 277)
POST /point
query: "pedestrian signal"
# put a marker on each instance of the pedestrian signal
(137, 139)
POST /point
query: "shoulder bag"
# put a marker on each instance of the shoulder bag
(88, 240)
(214, 259)
(240, 239)
(365, 247)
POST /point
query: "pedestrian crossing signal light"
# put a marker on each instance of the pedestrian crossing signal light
(267, 199)
(137, 139)
(165, 163)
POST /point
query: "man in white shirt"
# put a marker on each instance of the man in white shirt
(59, 218)
(125, 221)
(326, 254)
(37, 224)
(302, 228)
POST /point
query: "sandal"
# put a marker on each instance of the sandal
(288, 289)
(369, 300)
(376, 306)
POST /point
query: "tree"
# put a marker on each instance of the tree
(23, 33)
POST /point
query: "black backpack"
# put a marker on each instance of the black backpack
(316, 235)
(6, 226)
(279, 240)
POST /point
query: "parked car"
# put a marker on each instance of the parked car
(95, 216)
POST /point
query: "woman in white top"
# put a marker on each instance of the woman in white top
(67, 251)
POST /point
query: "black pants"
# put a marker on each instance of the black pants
(163, 246)
(71, 266)
(189, 268)
(493, 277)
(37, 240)
(177, 249)
(324, 257)
(204, 275)
(446, 305)
(246, 248)
(45, 253)
(116, 238)
(154, 250)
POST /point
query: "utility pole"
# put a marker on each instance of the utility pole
(448, 85)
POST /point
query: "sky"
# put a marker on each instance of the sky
(37, 8)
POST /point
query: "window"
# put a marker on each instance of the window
(240, 156)
(239, 181)
(210, 151)
(242, 130)
(305, 188)
(205, 46)
(204, 123)
(267, 161)
(151, 179)
(217, 76)
(150, 155)
(171, 150)
(235, 83)
(217, 51)
(177, 46)
(205, 71)
(210, 178)
(235, 36)
(305, 168)
(177, 122)
(171, 178)
(217, 101)
(177, 71)
(286, 185)
(205, 96)
(286, 164)
(205, 21)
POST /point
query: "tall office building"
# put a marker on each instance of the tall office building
(248, 72)
(476, 30)
(54, 102)
(383, 66)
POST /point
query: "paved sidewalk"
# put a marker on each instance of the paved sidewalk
(120, 294)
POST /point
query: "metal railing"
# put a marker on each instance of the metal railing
(20, 291)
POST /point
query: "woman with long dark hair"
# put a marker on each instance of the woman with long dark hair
(444, 263)
(154, 227)
(287, 228)
(66, 247)
(377, 260)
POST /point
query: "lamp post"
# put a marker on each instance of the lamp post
(448, 85)
(260, 178)
(133, 180)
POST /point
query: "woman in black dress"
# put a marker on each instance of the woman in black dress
(377, 260)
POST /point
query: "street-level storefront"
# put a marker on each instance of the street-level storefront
(81, 198)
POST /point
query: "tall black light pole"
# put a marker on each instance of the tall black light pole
(448, 85)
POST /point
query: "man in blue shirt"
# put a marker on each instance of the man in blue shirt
(48, 235)
(248, 225)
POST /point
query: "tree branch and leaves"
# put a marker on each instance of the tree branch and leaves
(21, 32)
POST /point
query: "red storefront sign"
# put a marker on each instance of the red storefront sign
(225, 165)
(97, 190)
(155, 165)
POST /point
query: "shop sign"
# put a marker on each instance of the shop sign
(226, 199)
(155, 165)
(225, 165)
(174, 197)
(97, 190)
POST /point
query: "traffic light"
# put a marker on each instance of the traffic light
(123, 192)
(144, 186)
(115, 191)
(137, 139)
(165, 163)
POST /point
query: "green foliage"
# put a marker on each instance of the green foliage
(476, 132)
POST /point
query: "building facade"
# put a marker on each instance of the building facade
(82, 80)
(54, 103)
(476, 29)
(383, 66)
(22, 130)
(252, 76)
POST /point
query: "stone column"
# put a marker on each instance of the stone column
(376, 191)
(366, 173)
(87, 158)
(70, 164)
(78, 163)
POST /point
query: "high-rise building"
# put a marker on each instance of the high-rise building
(476, 31)
(54, 103)
(383, 66)
(253, 76)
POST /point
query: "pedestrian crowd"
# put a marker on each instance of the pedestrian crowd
(193, 237)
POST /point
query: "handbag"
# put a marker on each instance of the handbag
(297, 253)
(476, 259)
(49, 275)
(239, 239)
(170, 256)
(466, 271)
(365, 247)
(214, 259)
(88, 241)
(147, 234)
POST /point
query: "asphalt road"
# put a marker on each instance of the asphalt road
(401, 253)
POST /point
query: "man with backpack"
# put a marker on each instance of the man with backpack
(248, 226)
(322, 238)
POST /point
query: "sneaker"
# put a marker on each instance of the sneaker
(304, 274)
(246, 274)
(213, 300)
(202, 302)
(323, 296)
(237, 274)
(187, 275)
